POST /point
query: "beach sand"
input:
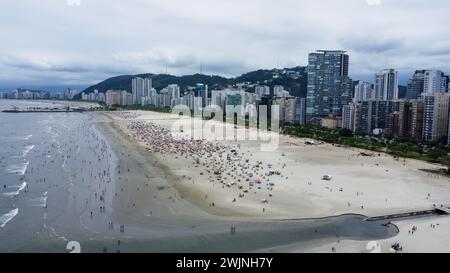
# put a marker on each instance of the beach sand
(163, 199)
(371, 186)
(431, 236)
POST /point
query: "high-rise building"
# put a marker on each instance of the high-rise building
(201, 91)
(300, 111)
(113, 97)
(348, 117)
(415, 85)
(415, 119)
(125, 98)
(278, 90)
(435, 118)
(262, 90)
(435, 81)
(376, 114)
(174, 91)
(329, 87)
(288, 108)
(363, 92)
(141, 88)
(386, 85)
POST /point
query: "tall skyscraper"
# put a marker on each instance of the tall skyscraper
(364, 92)
(416, 85)
(376, 114)
(262, 90)
(348, 117)
(174, 91)
(386, 85)
(329, 87)
(415, 119)
(113, 97)
(201, 91)
(140, 88)
(435, 118)
(300, 111)
(435, 81)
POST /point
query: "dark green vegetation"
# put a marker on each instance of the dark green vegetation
(437, 172)
(398, 147)
(294, 82)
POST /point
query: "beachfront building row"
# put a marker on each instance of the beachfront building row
(94, 96)
(385, 87)
(427, 82)
(422, 82)
(199, 97)
(425, 119)
(118, 98)
(23, 94)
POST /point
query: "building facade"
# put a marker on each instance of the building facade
(386, 85)
(329, 86)
(141, 87)
(435, 81)
(435, 118)
(364, 91)
(415, 86)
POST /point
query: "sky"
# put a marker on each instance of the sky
(82, 42)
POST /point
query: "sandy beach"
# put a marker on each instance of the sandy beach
(372, 186)
(225, 181)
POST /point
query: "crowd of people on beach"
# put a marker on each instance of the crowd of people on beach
(125, 115)
(224, 165)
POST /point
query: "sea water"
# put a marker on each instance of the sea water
(41, 174)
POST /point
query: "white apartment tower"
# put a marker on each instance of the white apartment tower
(363, 92)
(435, 82)
(386, 85)
(141, 88)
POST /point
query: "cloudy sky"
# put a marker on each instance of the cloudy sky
(81, 42)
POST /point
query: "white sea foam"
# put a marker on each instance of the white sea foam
(40, 202)
(27, 150)
(64, 163)
(28, 137)
(20, 168)
(19, 188)
(5, 218)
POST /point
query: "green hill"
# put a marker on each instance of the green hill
(293, 79)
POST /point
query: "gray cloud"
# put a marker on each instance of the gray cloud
(51, 41)
(371, 44)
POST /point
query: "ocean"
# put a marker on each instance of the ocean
(45, 162)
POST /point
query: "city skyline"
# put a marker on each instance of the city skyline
(84, 44)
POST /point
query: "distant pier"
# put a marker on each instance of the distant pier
(436, 211)
(42, 110)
